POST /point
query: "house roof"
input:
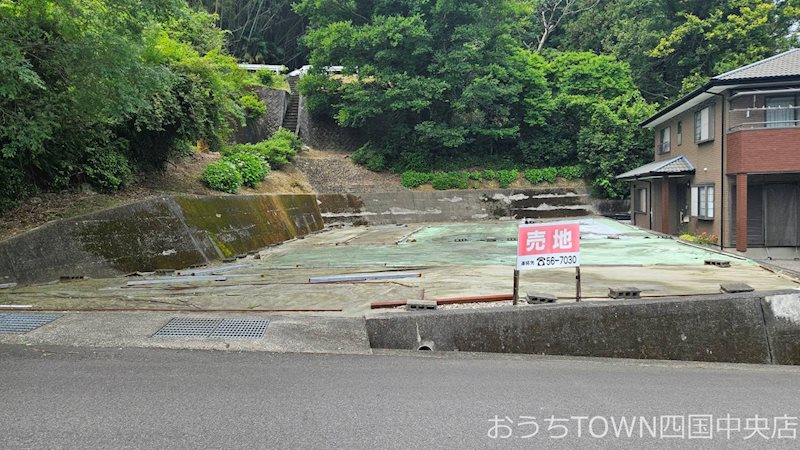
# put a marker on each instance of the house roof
(784, 64)
(779, 68)
(675, 166)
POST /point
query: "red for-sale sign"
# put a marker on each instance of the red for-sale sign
(548, 246)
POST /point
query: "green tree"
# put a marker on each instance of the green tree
(260, 31)
(735, 33)
(93, 90)
(424, 80)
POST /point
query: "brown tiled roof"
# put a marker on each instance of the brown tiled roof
(674, 166)
(784, 64)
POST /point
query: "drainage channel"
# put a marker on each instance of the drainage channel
(214, 328)
(23, 323)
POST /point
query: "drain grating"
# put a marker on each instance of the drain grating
(241, 328)
(233, 328)
(181, 327)
(23, 323)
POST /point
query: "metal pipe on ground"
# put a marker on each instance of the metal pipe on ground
(362, 277)
(212, 270)
(447, 301)
(171, 280)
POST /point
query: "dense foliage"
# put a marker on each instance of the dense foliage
(276, 151)
(94, 90)
(673, 46)
(461, 179)
(427, 91)
(261, 31)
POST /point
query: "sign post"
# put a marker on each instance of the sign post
(549, 246)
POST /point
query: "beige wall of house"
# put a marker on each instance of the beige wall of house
(707, 159)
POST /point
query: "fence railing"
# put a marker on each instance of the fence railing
(763, 117)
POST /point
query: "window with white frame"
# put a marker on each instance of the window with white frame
(703, 202)
(663, 140)
(640, 200)
(704, 125)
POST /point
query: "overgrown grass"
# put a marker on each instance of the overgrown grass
(505, 177)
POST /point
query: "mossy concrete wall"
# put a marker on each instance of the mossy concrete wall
(761, 328)
(258, 129)
(454, 206)
(157, 233)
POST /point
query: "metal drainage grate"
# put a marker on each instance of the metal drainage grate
(235, 328)
(241, 328)
(23, 323)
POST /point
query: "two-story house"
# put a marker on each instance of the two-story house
(727, 161)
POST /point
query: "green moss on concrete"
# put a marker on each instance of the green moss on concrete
(142, 236)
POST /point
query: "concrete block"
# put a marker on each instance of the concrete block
(721, 328)
(782, 319)
(67, 278)
(534, 298)
(717, 263)
(624, 292)
(416, 305)
(735, 288)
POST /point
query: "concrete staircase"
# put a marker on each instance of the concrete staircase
(293, 107)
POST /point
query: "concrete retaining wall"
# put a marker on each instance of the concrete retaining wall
(256, 130)
(446, 206)
(758, 328)
(320, 133)
(158, 233)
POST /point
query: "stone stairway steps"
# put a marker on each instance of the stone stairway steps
(292, 110)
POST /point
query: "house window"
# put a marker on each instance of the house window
(704, 125)
(640, 200)
(703, 202)
(780, 112)
(663, 140)
(679, 136)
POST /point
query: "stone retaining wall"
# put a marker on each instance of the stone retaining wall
(157, 233)
(453, 206)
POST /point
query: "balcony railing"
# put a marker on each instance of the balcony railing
(763, 117)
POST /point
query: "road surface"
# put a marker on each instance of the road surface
(73, 397)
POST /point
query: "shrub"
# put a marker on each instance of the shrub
(252, 167)
(368, 157)
(287, 136)
(570, 172)
(412, 179)
(277, 151)
(489, 174)
(107, 170)
(223, 176)
(268, 78)
(253, 106)
(450, 180)
(547, 174)
(475, 176)
(13, 187)
(506, 177)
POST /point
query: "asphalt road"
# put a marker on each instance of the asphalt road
(145, 398)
